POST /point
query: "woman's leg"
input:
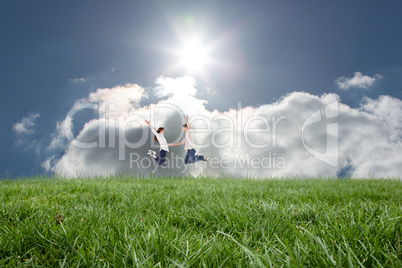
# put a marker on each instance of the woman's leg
(162, 157)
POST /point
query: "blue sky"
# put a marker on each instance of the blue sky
(55, 53)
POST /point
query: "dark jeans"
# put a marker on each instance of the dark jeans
(192, 158)
(161, 158)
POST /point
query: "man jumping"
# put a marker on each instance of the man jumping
(188, 142)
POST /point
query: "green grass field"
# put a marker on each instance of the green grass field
(212, 222)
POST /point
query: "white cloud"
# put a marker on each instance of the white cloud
(369, 137)
(388, 110)
(120, 100)
(25, 133)
(182, 86)
(26, 125)
(357, 81)
(77, 80)
(59, 139)
(210, 91)
(48, 163)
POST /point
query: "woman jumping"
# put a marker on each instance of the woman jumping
(159, 137)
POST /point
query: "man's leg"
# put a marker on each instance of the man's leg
(198, 158)
(187, 158)
(192, 156)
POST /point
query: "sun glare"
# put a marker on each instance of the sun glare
(193, 56)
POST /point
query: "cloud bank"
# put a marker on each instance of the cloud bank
(291, 137)
(357, 81)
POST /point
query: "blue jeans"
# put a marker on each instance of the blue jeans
(192, 158)
(161, 158)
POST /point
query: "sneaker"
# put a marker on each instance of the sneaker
(152, 154)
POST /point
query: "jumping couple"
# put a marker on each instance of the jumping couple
(188, 142)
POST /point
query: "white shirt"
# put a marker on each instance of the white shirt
(188, 140)
(162, 140)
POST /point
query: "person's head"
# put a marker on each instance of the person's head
(160, 130)
(185, 128)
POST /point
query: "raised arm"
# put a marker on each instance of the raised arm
(149, 124)
(182, 142)
(188, 124)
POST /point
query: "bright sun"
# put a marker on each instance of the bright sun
(193, 56)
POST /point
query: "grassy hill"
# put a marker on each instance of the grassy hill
(216, 222)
